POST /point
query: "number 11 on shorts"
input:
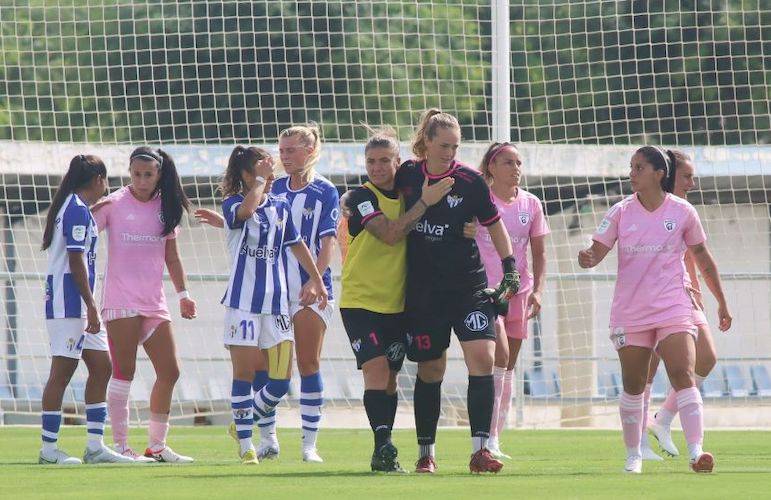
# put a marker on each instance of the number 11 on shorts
(247, 324)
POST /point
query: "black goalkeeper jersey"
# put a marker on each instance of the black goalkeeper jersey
(438, 256)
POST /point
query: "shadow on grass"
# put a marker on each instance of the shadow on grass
(364, 474)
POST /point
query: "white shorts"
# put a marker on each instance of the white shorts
(325, 315)
(67, 337)
(256, 330)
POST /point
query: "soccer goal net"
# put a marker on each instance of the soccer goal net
(579, 85)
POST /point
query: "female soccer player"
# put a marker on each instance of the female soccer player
(72, 318)
(446, 285)
(256, 302)
(373, 284)
(314, 203)
(522, 215)
(652, 309)
(141, 221)
(244, 165)
(706, 356)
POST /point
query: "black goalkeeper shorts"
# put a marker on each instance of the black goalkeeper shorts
(375, 334)
(431, 314)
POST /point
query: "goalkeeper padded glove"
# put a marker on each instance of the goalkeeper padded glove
(509, 285)
(501, 305)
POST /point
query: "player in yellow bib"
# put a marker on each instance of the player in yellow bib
(374, 280)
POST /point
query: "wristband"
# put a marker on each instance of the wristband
(425, 205)
(260, 179)
(184, 294)
(509, 264)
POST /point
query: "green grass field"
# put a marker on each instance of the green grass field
(545, 464)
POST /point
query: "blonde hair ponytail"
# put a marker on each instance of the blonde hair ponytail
(430, 121)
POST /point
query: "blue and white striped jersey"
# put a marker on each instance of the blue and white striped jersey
(315, 210)
(258, 275)
(74, 231)
(232, 226)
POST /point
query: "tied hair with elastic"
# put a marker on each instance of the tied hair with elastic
(660, 159)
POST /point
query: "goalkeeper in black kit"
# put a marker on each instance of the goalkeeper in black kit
(447, 287)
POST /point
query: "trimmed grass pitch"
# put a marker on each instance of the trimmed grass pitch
(545, 464)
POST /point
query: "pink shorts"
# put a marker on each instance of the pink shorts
(650, 335)
(151, 320)
(515, 322)
(699, 318)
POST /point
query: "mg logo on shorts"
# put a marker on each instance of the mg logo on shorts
(356, 345)
(282, 322)
(395, 351)
(476, 321)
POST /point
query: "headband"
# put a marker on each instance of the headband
(150, 155)
(500, 148)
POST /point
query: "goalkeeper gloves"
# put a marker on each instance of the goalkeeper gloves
(509, 285)
(507, 288)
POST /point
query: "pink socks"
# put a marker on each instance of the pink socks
(118, 409)
(503, 380)
(157, 431)
(631, 411)
(498, 374)
(690, 406)
(508, 384)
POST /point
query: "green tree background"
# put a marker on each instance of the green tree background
(688, 72)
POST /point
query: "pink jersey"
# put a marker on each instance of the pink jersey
(650, 286)
(523, 219)
(135, 253)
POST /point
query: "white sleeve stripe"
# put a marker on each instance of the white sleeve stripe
(328, 231)
(291, 242)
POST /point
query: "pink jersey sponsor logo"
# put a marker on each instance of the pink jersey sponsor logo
(136, 253)
(651, 283)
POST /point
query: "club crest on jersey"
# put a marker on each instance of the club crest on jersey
(308, 213)
(356, 345)
(395, 351)
(476, 321)
(670, 225)
(524, 218)
(454, 200)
